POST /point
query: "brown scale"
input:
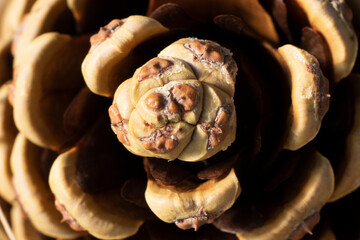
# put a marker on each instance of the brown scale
(173, 107)
(261, 117)
(154, 68)
(236, 25)
(219, 128)
(133, 191)
(155, 101)
(117, 124)
(167, 173)
(106, 170)
(94, 13)
(81, 113)
(172, 15)
(105, 33)
(219, 165)
(185, 95)
(66, 23)
(174, 172)
(242, 217)
(102, 164)
(273, 99)
(248, 212)
(296, 20)
(279, 12)
(265, 196)
(314, 43)
(113, 201)
(183, 98)
(207, 51)
(160, 141)
(280, 171)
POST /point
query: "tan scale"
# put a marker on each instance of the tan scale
(216, 128)
(299, 215)
(3, 234)
(210, 62)
(120, 113)
(309, 94)
(160, 105)
(85, 208)
(43, 94)
(3, 5)
(43, 17)
(8, 134)
(13, 14)
(156, 73)
(350, 165)
(110, 48)
(327, 17)
(21, 225)
(165, 142)
(191, 205)
(33, 192)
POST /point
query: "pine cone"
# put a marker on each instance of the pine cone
(238, 119)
